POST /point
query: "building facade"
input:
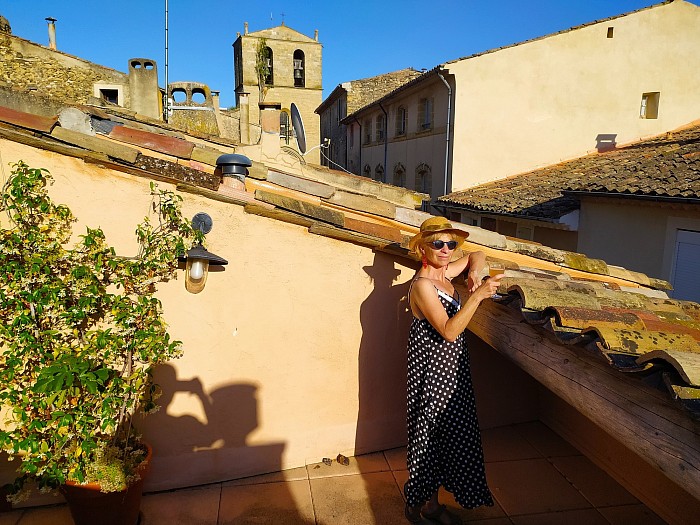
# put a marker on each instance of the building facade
(536, 103)
(347, 98)
(293, 75)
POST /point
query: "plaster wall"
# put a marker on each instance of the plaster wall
(287, 359)
(639, 235)
(548, 100)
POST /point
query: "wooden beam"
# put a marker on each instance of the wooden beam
(644, 419)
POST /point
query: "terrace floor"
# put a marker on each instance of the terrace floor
(536, 478)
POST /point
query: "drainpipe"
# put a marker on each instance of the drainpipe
(52, 32)
(359, 145)
(386, 138)
(449, 116)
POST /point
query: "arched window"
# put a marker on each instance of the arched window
(380, 127)
(299, 80)
(270, 77)
(399, 175)
(424, 178)
(367, 171)
(379, 173)
(401, 120)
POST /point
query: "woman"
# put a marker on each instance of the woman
(444, 444)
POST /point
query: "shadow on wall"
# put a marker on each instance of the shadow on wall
(381, 419)
(217, 445)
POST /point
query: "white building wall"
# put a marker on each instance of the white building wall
(548, 100)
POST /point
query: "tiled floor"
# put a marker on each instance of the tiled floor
(536, 479)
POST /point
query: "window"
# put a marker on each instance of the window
(401, 120)
(524, 232)
(686, 285)
(367, 171)
(399, 175)
(380, 128)
(110, 95)
(368, 131)
(650, 105)
(424, 178)
(299, 80)
(489, 223)
(379, 173)
(425, 114)
(351, 138)
(610, 32)
(270, 77)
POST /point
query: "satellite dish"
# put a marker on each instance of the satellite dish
(298, 126)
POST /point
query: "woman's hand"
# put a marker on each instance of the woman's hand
(488, 287)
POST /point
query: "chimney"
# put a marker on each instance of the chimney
(245, 28)
(52, 32)
(316, 35)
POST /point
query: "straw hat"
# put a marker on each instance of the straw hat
(437, 225)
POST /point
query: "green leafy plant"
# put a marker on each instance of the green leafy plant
(263, 67)
(80, 331)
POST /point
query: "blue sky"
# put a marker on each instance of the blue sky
(360, 38)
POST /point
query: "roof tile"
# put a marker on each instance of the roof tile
(665, 167)
(27, 120)
(161, 143)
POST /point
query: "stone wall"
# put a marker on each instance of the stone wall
(28, 66)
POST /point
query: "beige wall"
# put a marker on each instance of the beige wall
(294, 353)
(541, 102)
(648, 229)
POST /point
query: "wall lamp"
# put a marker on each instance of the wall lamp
(199, 259)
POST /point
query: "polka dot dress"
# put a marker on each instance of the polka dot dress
(444, 443)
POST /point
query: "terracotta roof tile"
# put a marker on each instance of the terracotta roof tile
(632, 332)
(27, 120)
(667, 166)
(162, 143)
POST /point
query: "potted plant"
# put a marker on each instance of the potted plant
(80, 332)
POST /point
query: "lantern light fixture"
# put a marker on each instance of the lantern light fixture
(198, 259)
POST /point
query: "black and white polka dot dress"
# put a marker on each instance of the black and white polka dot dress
(444, 443)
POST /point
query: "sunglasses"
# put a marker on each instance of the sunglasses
(437, 245)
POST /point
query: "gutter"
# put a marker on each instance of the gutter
(447, 139)
(386, 140)
(656, 198)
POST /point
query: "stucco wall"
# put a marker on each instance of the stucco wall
(648, 228)
(294, 353)
(548, 100)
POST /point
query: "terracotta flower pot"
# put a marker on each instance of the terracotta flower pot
(89, 506)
